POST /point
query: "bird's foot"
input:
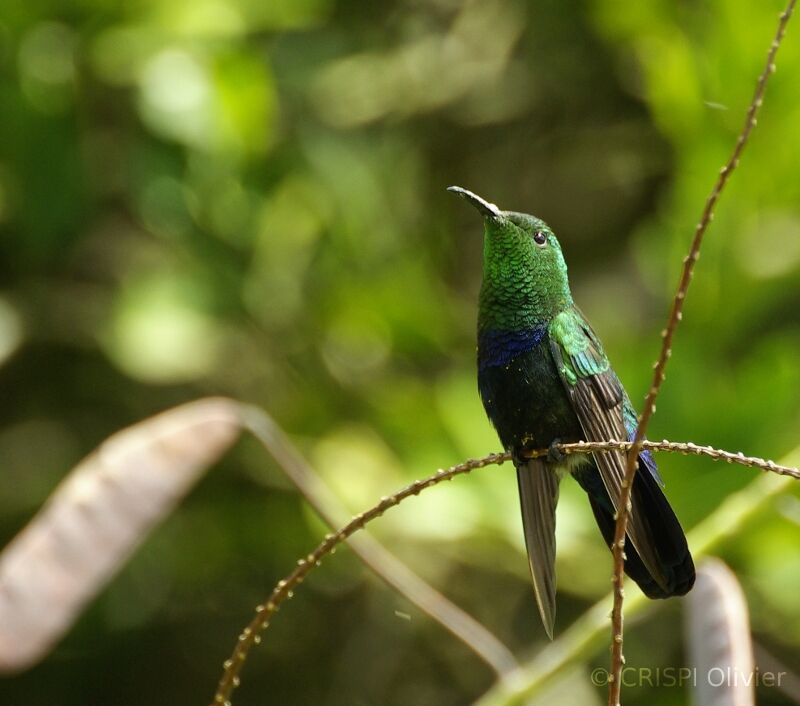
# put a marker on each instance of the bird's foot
(554, 454)
(520, 456)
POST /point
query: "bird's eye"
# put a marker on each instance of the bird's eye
(540, 238)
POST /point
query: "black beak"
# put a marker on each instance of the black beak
(489, 210)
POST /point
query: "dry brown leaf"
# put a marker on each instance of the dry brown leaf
(97, 516)
(718, 638)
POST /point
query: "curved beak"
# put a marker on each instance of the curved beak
(489, 210)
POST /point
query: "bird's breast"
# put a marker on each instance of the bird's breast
(522, 392)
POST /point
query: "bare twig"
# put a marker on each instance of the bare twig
(675, 315)
(582, 639)
(388, 567)
(251, 635)
(684, 448)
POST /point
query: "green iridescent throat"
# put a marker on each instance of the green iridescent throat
(524, 284)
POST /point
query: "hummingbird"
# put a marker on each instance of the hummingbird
(544, 379)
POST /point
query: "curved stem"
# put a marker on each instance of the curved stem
(251, 635)
(586, 636)
(675, 316)
(379, 559)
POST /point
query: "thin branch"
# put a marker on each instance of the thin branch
(684, 448)
(251, 635)
(388, 567)
(584, 638)
(675, 315)
(283, 590)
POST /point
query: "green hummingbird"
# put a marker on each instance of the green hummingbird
(544, 378)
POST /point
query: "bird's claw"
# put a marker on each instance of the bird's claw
(520, 457)
(554, 454)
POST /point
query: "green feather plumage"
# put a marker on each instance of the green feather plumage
(544, 377)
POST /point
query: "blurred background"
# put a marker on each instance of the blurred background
(247, 198)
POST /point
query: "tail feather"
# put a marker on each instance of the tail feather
(538, 494)
(664, 533)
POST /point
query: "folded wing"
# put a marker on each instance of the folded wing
(598, 400)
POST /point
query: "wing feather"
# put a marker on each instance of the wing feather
(598, 400)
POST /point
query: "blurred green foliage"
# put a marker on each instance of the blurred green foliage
(247, 198)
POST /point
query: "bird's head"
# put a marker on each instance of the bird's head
(524, 273)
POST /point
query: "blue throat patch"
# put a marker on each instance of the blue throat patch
(496, 348)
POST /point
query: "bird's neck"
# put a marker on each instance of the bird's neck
(520, 291)
(511, 303)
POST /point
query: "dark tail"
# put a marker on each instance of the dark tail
(538, 494)
(665, 533)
